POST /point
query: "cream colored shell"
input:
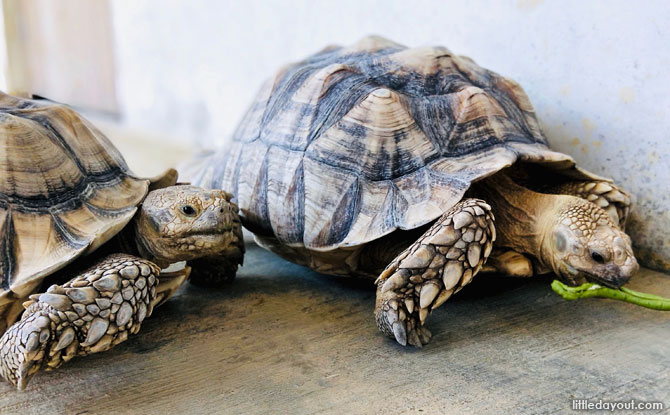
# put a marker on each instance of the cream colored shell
(64, 190)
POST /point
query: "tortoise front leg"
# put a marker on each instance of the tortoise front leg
(91, 313)
(443, 260)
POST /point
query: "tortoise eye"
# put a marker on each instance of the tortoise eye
(188, 210)
(596, 256)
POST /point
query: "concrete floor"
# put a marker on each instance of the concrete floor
(283, 339)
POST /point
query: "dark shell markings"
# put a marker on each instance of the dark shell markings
(59, 173)
(354, 143)
(356, 162)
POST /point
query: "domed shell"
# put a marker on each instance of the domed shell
(64, 191)
(353, 143)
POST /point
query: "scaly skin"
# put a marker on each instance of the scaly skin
(88, 314)
(572, 237)
(569, 235)
(584, 243)
(614, 200)
(97, 309)
(440, 263)
(182, 223)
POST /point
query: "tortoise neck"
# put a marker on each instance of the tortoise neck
(135, 241)
(524, 219)
(125, 241)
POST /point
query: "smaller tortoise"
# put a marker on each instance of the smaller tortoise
(66, 192)
(387, 162)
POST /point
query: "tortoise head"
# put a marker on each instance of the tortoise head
(584, 244)
(181, 223)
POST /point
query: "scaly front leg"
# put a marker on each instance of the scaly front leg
(443, 260)
(90, 313)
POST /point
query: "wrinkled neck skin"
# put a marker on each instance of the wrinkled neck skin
(524, 219)
(130, 241)
(136, 240)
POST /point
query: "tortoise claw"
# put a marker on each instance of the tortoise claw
(400, 332)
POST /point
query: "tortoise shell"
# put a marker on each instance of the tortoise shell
(353, 143)
(64, 191)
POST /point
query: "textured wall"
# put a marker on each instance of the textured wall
(596, 71)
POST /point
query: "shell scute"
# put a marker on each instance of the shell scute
(64, 190)
(374, 137)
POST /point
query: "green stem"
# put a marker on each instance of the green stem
(623, 294)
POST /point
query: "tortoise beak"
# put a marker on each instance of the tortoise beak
(612, 275)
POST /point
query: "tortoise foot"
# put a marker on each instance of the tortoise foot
(219, 270)
(397, 317)
(90, 313)
(22, 348)
(441, 262)
(509, 263)
(213, 272)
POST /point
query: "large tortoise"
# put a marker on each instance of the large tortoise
(382, 161)
(66, 192)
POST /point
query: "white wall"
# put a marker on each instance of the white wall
(3, 54)
(62, 50)
(596, 71)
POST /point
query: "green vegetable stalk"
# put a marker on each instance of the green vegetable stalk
(622, 294)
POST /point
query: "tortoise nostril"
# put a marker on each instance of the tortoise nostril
(221, 210)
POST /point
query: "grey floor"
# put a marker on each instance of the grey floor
(282, 339)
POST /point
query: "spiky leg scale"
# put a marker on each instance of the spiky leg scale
(437, 265)
(90, 313)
